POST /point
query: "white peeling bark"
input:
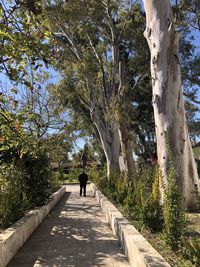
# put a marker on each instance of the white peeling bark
(111, 145)
(108, 134)
(168, 101)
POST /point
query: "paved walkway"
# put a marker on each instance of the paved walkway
(74, 234)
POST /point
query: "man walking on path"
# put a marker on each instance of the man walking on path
(83, 178)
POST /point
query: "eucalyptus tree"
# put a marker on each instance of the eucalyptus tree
(168, 103)
(92, 46)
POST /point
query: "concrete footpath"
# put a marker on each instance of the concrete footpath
(74, 234)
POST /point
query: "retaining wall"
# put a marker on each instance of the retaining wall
(13, 238)
(137, 249)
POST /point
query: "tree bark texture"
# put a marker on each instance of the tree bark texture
(167, 100)
(109, 138)
(126, 161)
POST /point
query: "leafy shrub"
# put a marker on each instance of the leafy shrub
(121, 186)
(140, 200)
(155, 220)
(25, 176)
(112, 188)
(55, 181)
(192, 251)
(13, 201)
(36, 178)
(174, 218)
(94, 175)
(138, 191)
(152, 215)
(197, 196)
(129, 201)
(25, 182)
(147, 199)
(141, 193)
(73, 174)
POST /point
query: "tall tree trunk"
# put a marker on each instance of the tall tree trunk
(168, 102)
(109, 138)
(126, 161)
(118, 94)
(107, 130)
(112, 150)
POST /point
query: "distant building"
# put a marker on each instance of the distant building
(68, 165)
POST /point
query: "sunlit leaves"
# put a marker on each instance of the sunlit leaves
(22, 39)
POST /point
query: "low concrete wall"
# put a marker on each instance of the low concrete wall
(138, 251)
(15, 236)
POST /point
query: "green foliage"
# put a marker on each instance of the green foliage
(174, 218)
(115, 188)
(73, 175)
(23, 46)
(139, 199)
(13, 201)
(25, 176)
(152, 215)
(151, 211)
(139, 192)
(94, 175)
(59, 176)
(192, 250)
(24, 184)
(36, 178)
(55, 181)
(197, 196)
(129, 201)
(147, 199)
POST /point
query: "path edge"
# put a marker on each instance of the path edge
(13, 238)
(136, 248)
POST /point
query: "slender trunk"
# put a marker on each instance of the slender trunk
(112, 155)
(109, 138)
(168, 102)
(127, 163)
(111, 147)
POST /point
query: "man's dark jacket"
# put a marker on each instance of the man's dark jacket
(83, 178)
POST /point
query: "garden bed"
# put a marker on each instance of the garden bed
(12, 239)
(176, 259)
(139, 252)
(185, 256)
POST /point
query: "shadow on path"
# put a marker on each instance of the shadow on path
(75, 233)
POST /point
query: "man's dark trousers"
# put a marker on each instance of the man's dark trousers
(83, 178)
(83, 188)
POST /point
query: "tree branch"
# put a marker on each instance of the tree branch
(191, 99)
